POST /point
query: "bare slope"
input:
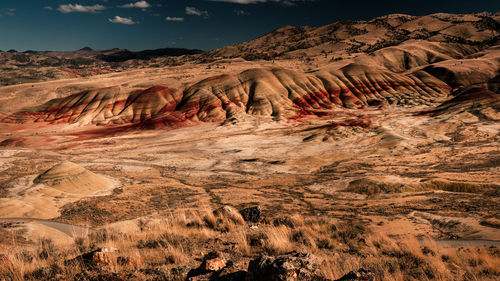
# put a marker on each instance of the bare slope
(478, 101)
(63, 183)
(266, 92)
(344, 38)
(72, 178)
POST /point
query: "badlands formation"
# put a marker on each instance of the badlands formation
(372, 144)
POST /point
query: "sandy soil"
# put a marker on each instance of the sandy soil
(303, 167)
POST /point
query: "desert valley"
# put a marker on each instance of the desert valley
(358, 150)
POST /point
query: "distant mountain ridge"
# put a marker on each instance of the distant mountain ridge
(395, 42)
(115, 52)
(47, 65)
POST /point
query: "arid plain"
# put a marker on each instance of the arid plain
(372, 146)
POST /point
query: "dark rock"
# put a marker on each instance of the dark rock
(359, 275)
(212, 262)
(229, 274)
(251, 214)
(288, 267)
(100, 276)
(212, 255)
(110, 277)
(180, 272)
(82, 276)
(156, 274)
(103, 258)
(51, 272)
(125, 261)
(215, 264)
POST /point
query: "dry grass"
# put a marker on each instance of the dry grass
(457, 186)
(166, 242)
(372, 188)
(244, 249)
(278, 239)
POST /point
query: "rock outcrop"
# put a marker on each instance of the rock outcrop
(288, 267)
(358, 275)
(102, 258)
(251, 214)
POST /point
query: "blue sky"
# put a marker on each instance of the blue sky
(203, 24)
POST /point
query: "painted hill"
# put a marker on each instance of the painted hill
(395, 59)
(63, 183)
(72, 178)
(274, 92)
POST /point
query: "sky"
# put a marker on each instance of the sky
(65, 25)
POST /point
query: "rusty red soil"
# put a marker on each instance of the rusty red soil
(72, 72)
(13, 142)
(95, 132)
(355, 95)
(179, 110)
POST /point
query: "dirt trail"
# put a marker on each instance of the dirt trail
(448, 243)
(68, 229)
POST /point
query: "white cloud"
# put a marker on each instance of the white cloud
(48, 8)
(139, 4)
(195, 12)
(242, 1)
(241, 13)
(245, 2)
(118, 19)
(70, 8)
(9, 11)
(174, 19)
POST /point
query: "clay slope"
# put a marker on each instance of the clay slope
(63, 183)
(350, 37)
(478, 101)
(112, 105)
(478, 70)
(415, 53)
(274, 92)
(69, 177)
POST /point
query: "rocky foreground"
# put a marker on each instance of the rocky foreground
(171, 240)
